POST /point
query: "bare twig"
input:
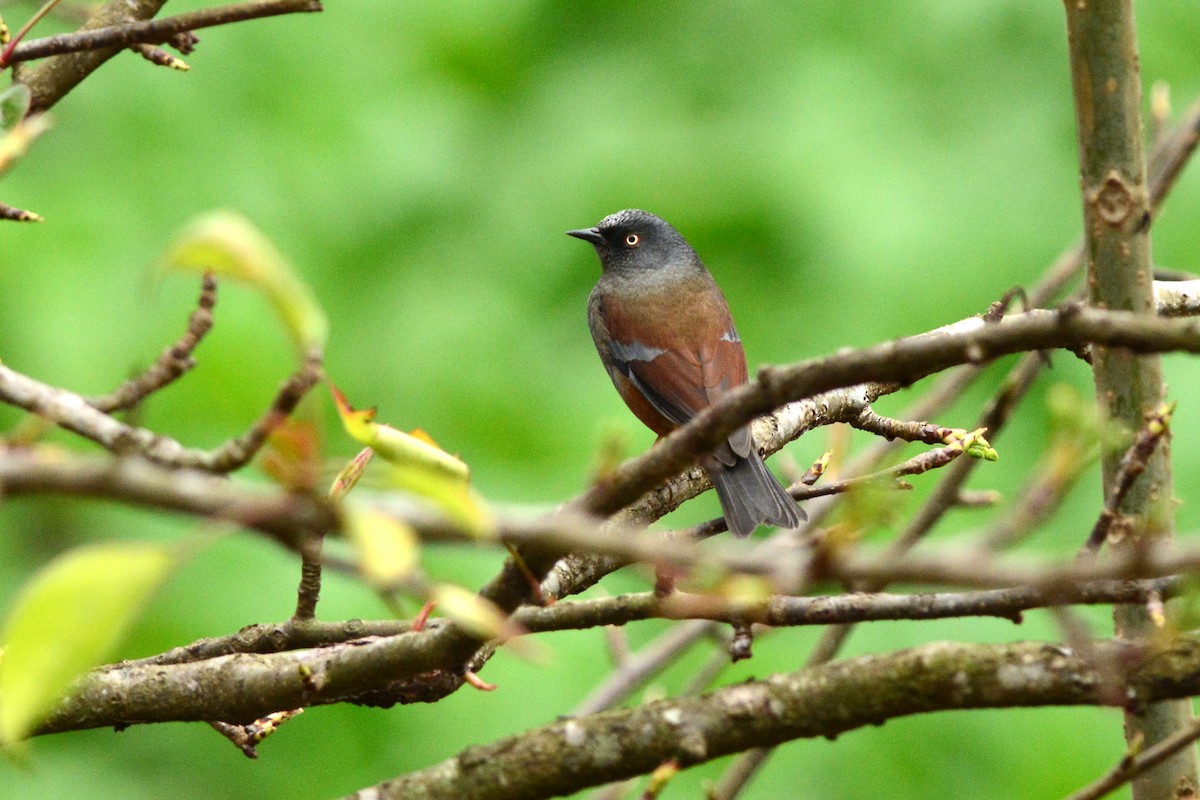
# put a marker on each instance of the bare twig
(309, 590)
(172, 363)
(1171, 152)
(6, 54)
(156, 55)
(1131, 465)
(1133, 765)
(51, 80)
(889, 428)
(73, 412)
(18, 214)
(782, 611)
(159, 30)
(740, 773)
(641, 666)
(236, 453)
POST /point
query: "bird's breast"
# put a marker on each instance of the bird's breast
(688, 315)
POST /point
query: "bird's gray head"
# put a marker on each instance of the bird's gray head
(633, 241)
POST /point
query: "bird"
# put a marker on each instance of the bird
(663, 330)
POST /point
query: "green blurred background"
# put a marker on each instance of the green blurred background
(849, 172)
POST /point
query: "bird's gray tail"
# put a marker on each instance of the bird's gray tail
(749, 494)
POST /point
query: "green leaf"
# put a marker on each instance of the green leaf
(228, 244)
(419, 466)
(415, 449)
(458, 501)
(14, 105)
(69, 617)
(15, 143)
(476, 614)
(387, 548)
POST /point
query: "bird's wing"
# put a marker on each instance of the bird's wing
(682, 370)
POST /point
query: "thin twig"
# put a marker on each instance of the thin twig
(172, 363)
(52, 79)
(642, 666)
(1132, 765)
(309, 590)
(9, 45)
(1131, 465)
(780, 611)
(236, 453)
(156, 55)
(73, 412)
(157, 31)
(18, 214)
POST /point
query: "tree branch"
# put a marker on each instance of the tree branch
(1133, 765)
(825, 701)
(157, 31)
(785, 611)
(293, 518)
(51, 81)
(901, 361)
(1107, 87)
(73, 412)
(172, 363)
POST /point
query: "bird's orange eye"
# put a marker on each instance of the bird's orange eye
(633, 240)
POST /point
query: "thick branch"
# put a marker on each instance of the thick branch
(240, 688)
(1116, 231)
(826, 701)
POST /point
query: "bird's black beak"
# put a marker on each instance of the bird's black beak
(588, 235)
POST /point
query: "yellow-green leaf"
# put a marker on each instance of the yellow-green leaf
(69, 617)
(228, 244)
(419, 466)
(387, 548)
(396, 446)
(461, 504)
(474, 613)
(16, 142)
(748, 590)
